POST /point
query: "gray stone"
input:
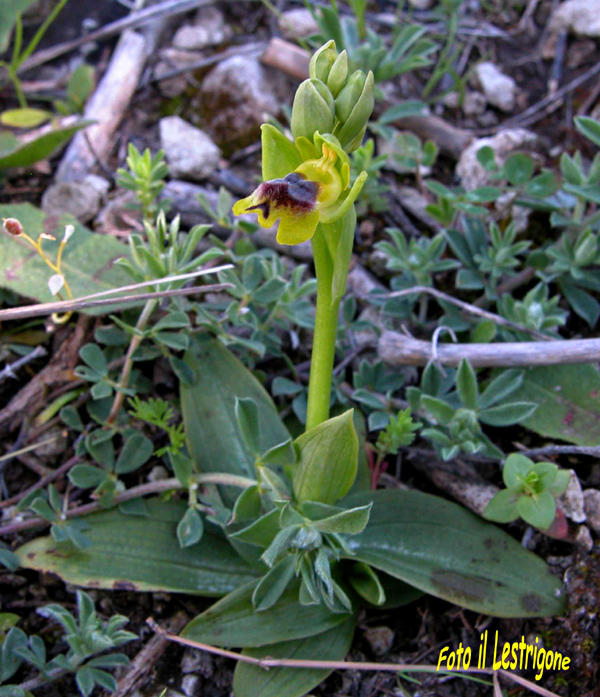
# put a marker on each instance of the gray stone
(82, 199)
(208, 29)
(474, 103)
(297, 23)
(157, 474)
(499, 89)
(421, 4)
(195, 661)
(468, 169)
(190, 685)
(583, 538)
(380, 639)
(190, 152)
(120, 214)
(451, 100)
(174, 59)
(390, 147)
(591, 502)
(519, 215)
(571, 501)
(580, 17)
(235, 99)
(581, 52)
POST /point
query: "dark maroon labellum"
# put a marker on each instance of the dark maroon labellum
(294, 192)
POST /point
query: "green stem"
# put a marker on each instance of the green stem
(326, 320)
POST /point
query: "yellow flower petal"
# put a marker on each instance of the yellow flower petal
(294, 229)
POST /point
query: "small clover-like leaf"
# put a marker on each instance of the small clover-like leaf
(515, 471)
(538, 510)
(502, 508)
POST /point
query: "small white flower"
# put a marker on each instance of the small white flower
(69, 230)
(46, 236)
(55, 283)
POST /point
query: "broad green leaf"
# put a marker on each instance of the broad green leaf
(445, 550)
(246, 413)
(88, 260)
(133, 553)
(568, 399)
(25, 152)
(233, 621)
(24, 118)
(328, 460)
(280, 155)
(253, 681)
(214, 439)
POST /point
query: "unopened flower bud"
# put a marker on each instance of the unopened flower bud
(338, 74)
(12, 226)
(313, 110)
(354, 106)
(322, 61)
(350, 95)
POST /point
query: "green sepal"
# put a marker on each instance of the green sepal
(328, 461)
(306, 148)
(280, 156)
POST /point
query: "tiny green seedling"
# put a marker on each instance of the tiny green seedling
(531, 490)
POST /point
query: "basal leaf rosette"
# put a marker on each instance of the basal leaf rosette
(311, 185)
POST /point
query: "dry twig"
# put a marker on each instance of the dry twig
(267, 663)
(85, 304)
(399, 349)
